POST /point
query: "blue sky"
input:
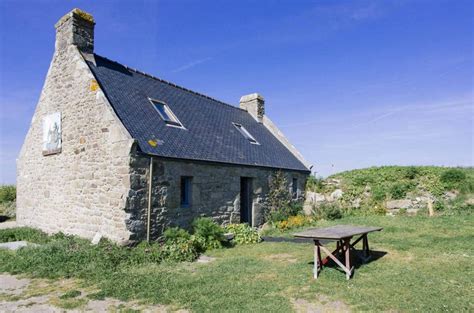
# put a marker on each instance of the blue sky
(351, 83)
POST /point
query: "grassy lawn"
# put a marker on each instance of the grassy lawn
(428, 266)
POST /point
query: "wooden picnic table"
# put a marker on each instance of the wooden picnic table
(343, 235)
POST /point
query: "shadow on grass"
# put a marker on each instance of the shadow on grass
(356, 259)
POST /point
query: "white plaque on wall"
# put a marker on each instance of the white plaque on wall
(52, 133)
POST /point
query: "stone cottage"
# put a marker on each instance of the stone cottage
(120, 153)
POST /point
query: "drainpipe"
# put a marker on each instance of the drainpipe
(150, 180)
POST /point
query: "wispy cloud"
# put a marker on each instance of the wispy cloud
(366, 118)
(191, 65)
(449, 106)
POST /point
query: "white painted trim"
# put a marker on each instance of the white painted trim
(168, 111)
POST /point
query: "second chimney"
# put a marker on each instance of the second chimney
(254, 104)
(75, 28)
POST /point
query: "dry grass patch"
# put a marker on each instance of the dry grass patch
(323, 304)
(281, 257)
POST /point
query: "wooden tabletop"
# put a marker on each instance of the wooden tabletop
(336, 232)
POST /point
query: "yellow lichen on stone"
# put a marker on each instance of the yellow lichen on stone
(94, 85)
(152, 143)
(84, 15)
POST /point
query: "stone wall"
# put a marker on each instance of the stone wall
(98, 183)
(215, 193)
(83, 189)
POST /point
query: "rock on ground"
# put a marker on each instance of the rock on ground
(15, 245)
(8, 224)
(335, 195)
(398, 204)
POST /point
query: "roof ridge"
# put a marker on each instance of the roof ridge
(169, 83)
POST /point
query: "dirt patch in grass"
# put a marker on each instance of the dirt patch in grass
(322, 305)
(43, 295)
(282, 257)
(400, 256)
(266, 276)
(12, 285)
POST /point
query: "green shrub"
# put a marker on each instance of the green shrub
(453, 176)
(411, 172)
(328, 212)
(145, 252)
(439, 206)
(8, 209)
(378, 193)
(455, 179)
(175, 233)
(315, 184)
(276, 216)
(279, 199)
(467, 186)
(377, 208)
(399, 190)
(208, 234)
(362, 180)
(180, 246)
(7, 193)
(295, 208)
(243, 233)
(181, 250)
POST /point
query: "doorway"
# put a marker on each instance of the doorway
(246, 200)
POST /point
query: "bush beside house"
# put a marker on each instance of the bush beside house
(7, 201)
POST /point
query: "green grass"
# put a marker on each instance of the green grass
(70, 294)
(394, 182)
(427, 267)
(372, 187)
(7, 201)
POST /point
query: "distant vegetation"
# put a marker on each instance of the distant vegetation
(7, 201)
(368, 190)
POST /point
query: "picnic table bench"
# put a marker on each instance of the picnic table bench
(343, 235)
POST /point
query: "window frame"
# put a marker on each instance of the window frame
(186, 191)
(244, 132)
(173, 120)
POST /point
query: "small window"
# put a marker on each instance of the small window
(294, 187)
(186, 191)
(165, 113)
(246, 133)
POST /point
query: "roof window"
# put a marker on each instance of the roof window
(165, 113)
(246, 133)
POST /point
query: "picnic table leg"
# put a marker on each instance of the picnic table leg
(317, 259)
(365, 244)
(336, 253)
(347, 247)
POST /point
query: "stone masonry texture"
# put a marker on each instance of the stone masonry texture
(215, 193)
(98, 182)
(83, 189)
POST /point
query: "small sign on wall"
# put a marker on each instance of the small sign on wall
(52, 133)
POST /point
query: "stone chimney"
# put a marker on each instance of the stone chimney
(254, 104)
(75, 28)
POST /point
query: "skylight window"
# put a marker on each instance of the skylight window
(166, 114)
(246, 133)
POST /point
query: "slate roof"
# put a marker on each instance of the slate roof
(209, 134)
